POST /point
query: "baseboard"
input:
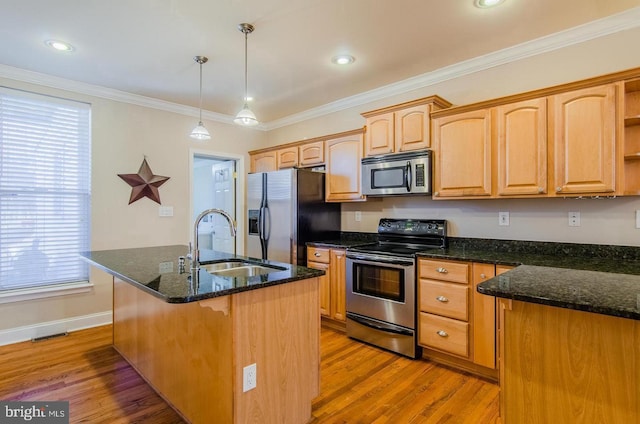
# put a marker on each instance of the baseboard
(21, 334)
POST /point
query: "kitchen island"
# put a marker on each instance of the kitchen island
(569, 345)
(189, 335)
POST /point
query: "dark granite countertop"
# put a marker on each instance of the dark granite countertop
(155, 270)
(346, 240)
(603, 279)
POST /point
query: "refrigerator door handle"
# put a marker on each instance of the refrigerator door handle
(267, 224)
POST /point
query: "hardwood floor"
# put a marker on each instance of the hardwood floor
(359, 384)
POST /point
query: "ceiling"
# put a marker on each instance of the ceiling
(146, 47)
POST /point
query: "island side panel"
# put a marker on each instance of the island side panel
(277, 328)
(562, 365)
(184, 351)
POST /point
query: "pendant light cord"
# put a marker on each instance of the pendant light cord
(245, 67)
(200, 120)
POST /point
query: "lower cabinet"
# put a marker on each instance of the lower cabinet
(456, 324)
(333, 283)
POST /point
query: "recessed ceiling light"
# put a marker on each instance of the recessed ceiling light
(59, 45)
(343, 59)
(485, 4)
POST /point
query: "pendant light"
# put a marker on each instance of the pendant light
(200, 132)
(245, 116)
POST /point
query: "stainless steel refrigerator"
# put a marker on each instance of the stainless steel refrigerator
(286, 209)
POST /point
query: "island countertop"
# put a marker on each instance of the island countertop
(156, 271)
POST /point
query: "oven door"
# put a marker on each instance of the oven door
(382, 288)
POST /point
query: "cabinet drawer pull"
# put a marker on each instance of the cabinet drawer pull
(558, 189)
(442, 299)
(442, 270)
(483, 276)
(317, 255)
(442, 333)
(540, 190)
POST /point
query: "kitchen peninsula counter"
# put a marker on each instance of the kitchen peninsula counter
(569, 328)
(190, 338)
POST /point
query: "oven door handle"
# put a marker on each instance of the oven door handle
(369, 259)
(378, 326)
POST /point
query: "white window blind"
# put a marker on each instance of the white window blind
(45, 189)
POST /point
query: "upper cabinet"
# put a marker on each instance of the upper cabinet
(566, 143)
(287, 157)
(401, 128)
(264, 162)
(521, 148)
(343, 168)
(585, 140)
(462, 151)
(312, 153)
(632, 137)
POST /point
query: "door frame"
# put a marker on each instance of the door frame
(240, 192)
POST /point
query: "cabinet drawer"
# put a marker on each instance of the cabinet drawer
(444, 334)
(318, 254)
(446, 299)
(442, 270)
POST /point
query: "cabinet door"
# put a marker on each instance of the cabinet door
(484, 319)
(462, 144)
(338, 274)
(288, 157)
(325, 287)
(343, 169)
(585, 140)
(379, 135)
(522, 148)
(311, 153)
(412, 130)
(264, 162)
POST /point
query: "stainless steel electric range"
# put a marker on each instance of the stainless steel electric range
(381, 283)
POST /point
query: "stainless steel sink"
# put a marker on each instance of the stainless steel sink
(239, 269)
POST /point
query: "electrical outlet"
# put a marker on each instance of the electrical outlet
(503, 218)
(574, 219)
(358, 216)
(249, 377)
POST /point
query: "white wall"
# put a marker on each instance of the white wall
(122, 134)
(603, 221)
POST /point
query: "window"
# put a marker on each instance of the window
(45, 191)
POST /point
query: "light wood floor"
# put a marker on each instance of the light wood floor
(359, 384)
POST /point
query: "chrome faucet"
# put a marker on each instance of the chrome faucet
(195, 255)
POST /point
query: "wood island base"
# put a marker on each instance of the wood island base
(193, 354)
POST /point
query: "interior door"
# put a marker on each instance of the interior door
(223, 198)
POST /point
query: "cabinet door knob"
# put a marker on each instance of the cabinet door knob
(540, 190)
(442, 299)
(442, 333)
(436, 194)
(558, 189)
(442, 270)
(483, 276)
(317, 255)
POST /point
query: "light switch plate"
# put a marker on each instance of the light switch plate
(503, 218)
(165, 211)
(358, 216)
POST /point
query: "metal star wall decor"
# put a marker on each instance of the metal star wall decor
(144, 183)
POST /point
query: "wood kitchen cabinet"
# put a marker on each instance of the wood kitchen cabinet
(585, 142)
(287, 157)
(521, 148)
(264, 162)
(401, 128)
(343, 168)
(311, 154)
(333, 283)
(632, 137)
(456, 324)
(462, 150)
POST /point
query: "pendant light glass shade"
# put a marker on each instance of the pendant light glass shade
(200, 132)
(245, 117)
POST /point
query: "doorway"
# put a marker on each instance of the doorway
(214, 185)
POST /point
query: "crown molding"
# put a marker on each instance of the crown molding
(620, 22)
(602, 27)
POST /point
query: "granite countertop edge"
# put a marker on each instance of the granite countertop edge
(176, 287)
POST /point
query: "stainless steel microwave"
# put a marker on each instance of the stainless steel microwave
(397, 174)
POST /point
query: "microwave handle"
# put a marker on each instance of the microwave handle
(409, 177)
